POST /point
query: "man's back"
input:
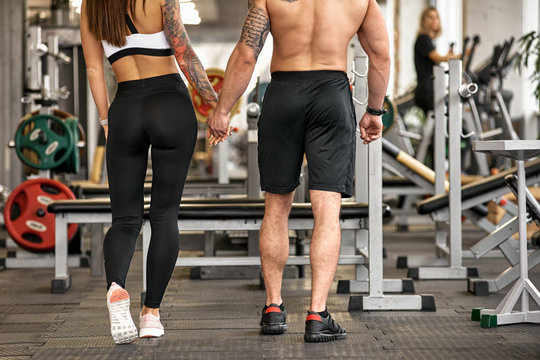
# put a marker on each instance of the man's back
(313, 34)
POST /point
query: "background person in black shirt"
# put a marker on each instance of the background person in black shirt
(425, 56)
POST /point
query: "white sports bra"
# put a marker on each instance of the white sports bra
(138, 44)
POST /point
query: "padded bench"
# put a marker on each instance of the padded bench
(194, 186)
(391, 185)
(206, 215)
(479, 192)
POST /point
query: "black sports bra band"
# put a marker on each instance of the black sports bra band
(139, 51)
(130, 25)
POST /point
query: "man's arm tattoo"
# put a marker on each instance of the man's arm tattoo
(256, 28)
(179, 41)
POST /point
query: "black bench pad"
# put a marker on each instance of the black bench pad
(83, 190)
(216, 211)
(94, 190)
(476, 188)
(397, 181)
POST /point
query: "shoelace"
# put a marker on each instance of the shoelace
(334, 325)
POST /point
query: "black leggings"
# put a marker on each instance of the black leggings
(155, 111)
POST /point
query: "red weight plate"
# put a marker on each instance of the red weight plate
(26, 216)
(200, 105)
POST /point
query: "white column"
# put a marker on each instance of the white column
(451, 14)
(389, 17)
(531, 19)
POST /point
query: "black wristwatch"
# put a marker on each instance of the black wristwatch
(376, 112)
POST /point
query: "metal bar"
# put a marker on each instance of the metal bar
(522, 215)
(256, 260)
(360, 91)
(375, 219)
(439, 146)
(60, 247)
(223, 159)
(454, 159)
(96, 246)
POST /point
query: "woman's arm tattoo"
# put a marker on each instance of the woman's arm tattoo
(183, 51)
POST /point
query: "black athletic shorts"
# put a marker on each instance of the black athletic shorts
(307, 112)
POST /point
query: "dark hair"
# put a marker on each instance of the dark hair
(106, 19)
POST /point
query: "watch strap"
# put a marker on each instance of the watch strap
(380, 112)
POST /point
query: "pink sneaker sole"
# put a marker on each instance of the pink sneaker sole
(123, 329)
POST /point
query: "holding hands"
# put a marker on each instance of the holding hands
(218, 127)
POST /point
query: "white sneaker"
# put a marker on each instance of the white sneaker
(123, 329)
(150, 326)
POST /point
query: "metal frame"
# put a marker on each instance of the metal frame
(519, 150)
(62, 279)
(369, 171)
(453, 247)
(448, 265)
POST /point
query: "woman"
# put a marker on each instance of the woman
(426, 56)
(144, 40)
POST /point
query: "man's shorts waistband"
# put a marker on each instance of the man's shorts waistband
(308, 75)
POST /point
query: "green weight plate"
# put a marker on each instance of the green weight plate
(388, 118)
(48, 137)
(74, 159)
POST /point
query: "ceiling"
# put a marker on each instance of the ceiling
(226, 12)
(221, 20)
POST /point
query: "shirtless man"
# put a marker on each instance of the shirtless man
(307, 109)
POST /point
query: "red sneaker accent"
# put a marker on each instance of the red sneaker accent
(119, 294)
(272, 309)
(313, 317)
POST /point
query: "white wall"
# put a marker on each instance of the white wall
(496, 21)
(409, 18)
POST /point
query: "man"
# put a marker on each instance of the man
(307, 109)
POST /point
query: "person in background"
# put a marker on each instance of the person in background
(426, 56)
(144, 40)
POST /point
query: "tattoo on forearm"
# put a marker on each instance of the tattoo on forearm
(179, 41)
(256, 28)
(290, 1)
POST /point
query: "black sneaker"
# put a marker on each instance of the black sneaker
(322, 329)
(274, 320)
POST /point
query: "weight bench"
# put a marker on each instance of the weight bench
(416, 180)
(194, 187)
(204, 217)
(473, 196)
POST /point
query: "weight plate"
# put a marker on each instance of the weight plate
(388, 118)
(202, 109)
(72, 164)
(26, 218)
(48, 137)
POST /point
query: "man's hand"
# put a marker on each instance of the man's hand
(218, 127)
(370, 127)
